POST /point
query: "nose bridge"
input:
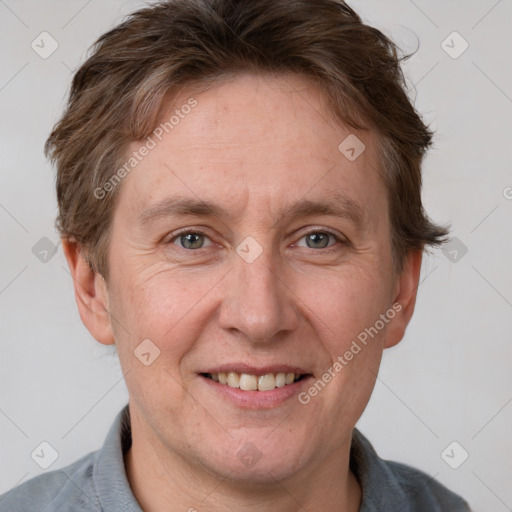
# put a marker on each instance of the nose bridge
(257, 303)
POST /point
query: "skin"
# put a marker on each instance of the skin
(254, 145)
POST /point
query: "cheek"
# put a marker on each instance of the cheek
(350, 309)
(167, 308)
(348, 303)
(162, 317)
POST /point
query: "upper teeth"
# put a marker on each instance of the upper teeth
(249, 382)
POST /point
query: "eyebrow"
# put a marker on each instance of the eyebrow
(339, 206)
(174, 206)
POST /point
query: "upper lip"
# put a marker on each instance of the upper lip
(256, 370)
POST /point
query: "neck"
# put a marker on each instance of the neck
(162, 480)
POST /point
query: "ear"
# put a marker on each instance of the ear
(90, 294)
(406, 288)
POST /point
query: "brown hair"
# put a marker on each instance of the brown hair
(117, 93)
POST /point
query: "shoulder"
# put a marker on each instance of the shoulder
(423, 492)
(51, 491)
(388, 486)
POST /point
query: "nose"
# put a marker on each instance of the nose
(258, 304)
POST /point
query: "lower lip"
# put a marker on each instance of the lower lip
(256, 399)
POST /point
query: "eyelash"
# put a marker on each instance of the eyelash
(189, 231)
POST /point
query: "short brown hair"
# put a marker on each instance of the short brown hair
(117, 93)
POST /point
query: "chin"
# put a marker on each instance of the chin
(263, 473)
(261, 461)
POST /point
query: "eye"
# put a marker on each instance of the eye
(319, 239)
(194, 240)
(189, 239)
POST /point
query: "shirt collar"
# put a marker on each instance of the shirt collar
(380, 487)
(109, 473)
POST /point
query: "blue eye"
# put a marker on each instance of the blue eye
(193, 240)
(190, 239)
(319, 239)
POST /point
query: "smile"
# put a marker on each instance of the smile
(249, 382)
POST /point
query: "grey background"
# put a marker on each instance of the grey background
(449, 380)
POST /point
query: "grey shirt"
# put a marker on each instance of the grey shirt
(98, 482)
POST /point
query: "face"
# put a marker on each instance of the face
(245, 244)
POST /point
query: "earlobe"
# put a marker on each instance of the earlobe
(405, 297)
(90, 294)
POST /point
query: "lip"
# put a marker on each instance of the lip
(255, 399)
(255, 370)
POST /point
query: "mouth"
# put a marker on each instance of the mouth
(255, 387)
(256, 381)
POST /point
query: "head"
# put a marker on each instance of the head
(240, 184)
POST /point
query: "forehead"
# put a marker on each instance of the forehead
(254, 138)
